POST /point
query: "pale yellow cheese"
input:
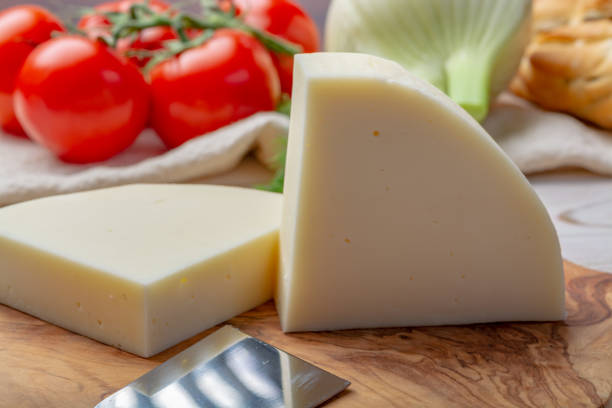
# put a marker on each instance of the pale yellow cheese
(400, 210)
(140, 267)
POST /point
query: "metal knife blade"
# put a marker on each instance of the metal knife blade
(230, 369)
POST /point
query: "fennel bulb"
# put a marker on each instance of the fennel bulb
(470, 49)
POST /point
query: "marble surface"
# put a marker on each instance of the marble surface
(580, 204)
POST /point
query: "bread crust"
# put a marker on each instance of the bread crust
(568, 64)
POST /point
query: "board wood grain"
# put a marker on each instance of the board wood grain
(561, 364)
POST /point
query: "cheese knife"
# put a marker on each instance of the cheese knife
(230, 369)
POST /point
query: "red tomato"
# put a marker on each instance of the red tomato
(22, 28)
(229, 77)
(149, 39)
(287, 20)
(80, 100)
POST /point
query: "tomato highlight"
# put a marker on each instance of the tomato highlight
(229, 77)
(285, 19)
(22, 28)
(80, 100)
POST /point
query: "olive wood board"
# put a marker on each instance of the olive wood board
(559, 364)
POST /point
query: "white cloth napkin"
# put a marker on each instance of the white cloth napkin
(536, 140)
(28, 171)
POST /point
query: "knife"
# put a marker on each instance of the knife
(230, 369)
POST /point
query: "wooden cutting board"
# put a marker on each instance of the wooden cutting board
(563, 364)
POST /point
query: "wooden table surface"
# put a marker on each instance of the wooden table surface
(561, 364)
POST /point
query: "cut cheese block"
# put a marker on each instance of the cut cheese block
(140, 267)
(400, 210)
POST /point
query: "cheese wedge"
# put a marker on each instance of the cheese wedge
(400, 210)
(140, 267)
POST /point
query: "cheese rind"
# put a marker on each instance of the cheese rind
(400, 210)
(140, 267)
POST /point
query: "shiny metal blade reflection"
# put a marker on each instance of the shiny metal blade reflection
(230, 369)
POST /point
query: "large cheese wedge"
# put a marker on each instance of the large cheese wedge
(400, 210)
(140, 267)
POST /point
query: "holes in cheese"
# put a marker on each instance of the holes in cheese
(428, 223)
(160, 277)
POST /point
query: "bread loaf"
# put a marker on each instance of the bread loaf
(568, 64)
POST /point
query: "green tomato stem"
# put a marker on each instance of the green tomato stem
(140, 17)
(216, 20)
(272, 42)
(212, 21)
(468, 83)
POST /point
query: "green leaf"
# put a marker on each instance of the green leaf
(284, 105)
(276, 184)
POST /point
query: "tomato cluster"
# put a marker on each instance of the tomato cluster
(87, 97)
